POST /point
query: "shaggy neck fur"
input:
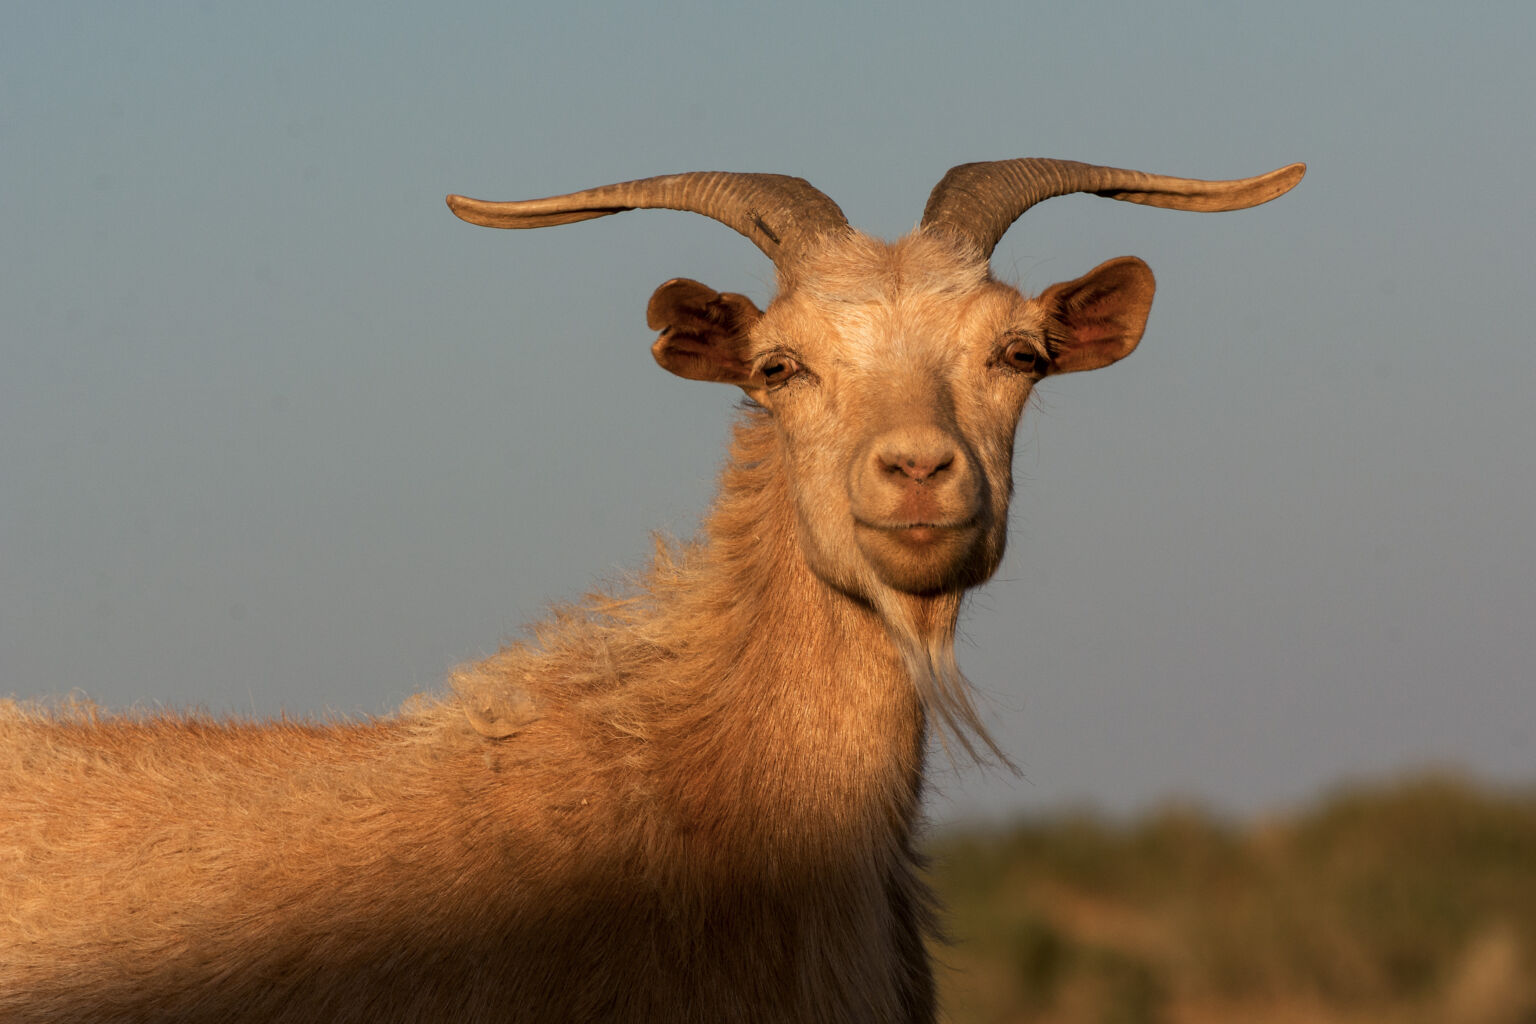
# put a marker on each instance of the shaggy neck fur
(746, 691)
(734, 756)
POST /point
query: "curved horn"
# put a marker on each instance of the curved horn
(979, 201)
(780, 214)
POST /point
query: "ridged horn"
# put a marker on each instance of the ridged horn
(780, 214)
(980, 201)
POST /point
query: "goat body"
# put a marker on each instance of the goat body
(693, 802)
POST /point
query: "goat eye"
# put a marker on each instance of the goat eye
(1020, 354)
(775, 370)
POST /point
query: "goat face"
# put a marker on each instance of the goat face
(895, 374)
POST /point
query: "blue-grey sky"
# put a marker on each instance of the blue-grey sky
(278, 432)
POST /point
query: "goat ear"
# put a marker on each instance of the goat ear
(1098, 319)
(703, 332)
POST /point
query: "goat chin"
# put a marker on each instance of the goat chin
(923, 559)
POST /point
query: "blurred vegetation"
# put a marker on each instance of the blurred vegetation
(1408, 903)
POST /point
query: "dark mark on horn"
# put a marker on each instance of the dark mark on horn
(764, 228)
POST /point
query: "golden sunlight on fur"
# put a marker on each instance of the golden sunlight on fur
(692, 801)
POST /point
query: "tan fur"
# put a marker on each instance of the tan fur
(693, 801)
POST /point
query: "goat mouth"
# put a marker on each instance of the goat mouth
(920, 534)
(922, 557)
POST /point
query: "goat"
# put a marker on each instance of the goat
(692, 802)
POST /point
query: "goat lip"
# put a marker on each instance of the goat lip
(920, 534)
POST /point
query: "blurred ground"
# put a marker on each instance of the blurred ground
(1404, 903)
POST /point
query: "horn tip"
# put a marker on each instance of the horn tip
(459, 205)
(1291, 174)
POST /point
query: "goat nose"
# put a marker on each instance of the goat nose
(916, 462)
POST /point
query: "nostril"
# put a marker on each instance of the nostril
(917, 467)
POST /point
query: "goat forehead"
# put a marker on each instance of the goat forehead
(864, 301)
(855, 269)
